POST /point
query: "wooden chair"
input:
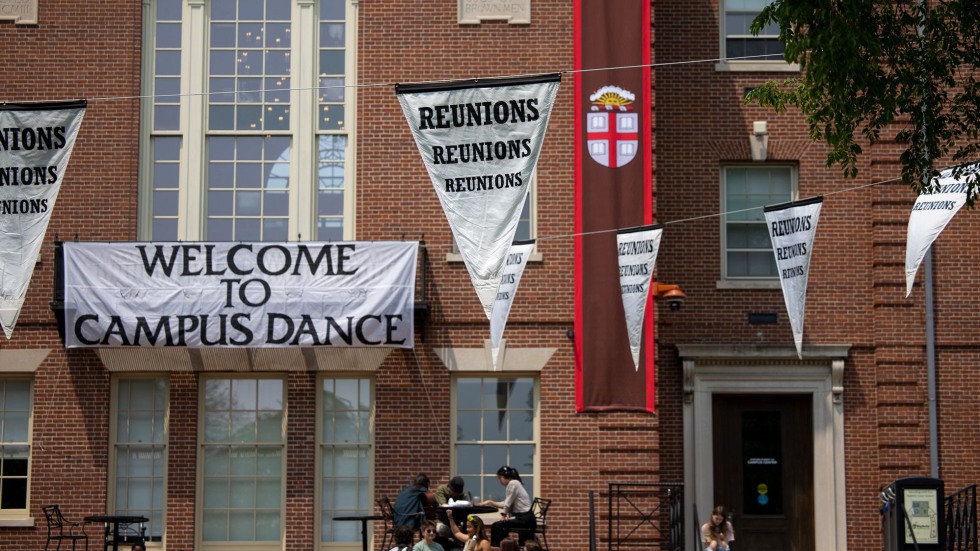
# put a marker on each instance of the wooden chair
(61, 529)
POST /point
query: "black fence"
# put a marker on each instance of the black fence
(645, 516)
(961, 520)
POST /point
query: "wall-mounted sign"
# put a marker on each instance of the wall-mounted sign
(203, 295)
(515, 12)
(22, 12)
(920, 508)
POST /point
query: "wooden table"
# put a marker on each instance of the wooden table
(364, 520)
(112, 523)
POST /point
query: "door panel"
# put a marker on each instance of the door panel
(763, 468)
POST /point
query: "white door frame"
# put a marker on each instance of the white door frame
(720, 369)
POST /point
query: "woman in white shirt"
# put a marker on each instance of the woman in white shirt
(516, 508)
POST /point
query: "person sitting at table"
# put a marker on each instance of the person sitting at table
(453, 490)
(408, 509)
(428, 542)
(475, 538)
(404, 537)
(516, 508)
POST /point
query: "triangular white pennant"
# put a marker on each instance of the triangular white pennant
(480, 141)
(930, 215)
(517, 259)
(35, 144)
(792, 227)
(637, 252)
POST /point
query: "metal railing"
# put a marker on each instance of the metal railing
(961, 520)
(647, 516)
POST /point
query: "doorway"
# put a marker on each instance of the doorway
(763, 468)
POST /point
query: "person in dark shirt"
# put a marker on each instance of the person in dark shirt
(408, 508)
(453, 490)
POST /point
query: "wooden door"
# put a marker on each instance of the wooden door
(763, 469)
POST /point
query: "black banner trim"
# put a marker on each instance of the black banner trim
(475, 83)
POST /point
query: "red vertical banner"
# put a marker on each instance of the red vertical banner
(613, 187)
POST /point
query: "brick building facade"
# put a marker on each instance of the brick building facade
(859, 395)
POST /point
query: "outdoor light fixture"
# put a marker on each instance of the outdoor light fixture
(759, 140)
(671, 293)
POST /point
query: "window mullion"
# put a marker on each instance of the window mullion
(193, 108)
(302, 221)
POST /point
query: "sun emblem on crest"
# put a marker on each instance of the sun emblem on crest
(612, 97)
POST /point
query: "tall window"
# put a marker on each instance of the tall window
(746, 189)
(258, 148)
(739, 42)
(496, 425)
(243, 447)
(345, 456)
(139, 451)
(15, 446)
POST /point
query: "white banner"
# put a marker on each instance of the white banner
(637, 251)
(35, 144)
(203, 295)
(517, 259)
(480, 141)
(930, 216)
(792, 227)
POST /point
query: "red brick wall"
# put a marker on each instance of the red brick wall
(77, 50)
(856, 291)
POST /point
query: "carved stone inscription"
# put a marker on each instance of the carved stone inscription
(515, 12)
(22, 12)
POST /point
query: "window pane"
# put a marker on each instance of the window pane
(242, 479)
(166, 117)
(495, 427)
(223, 35)
(251, 174)
(13, 493)
(739, 41)
(168, 9)
(332, 9)
(747, 190)
(140, 448)
(165, 203)
(246, 49)
(15, 418)
(345, 449)
(165, 230)
(332, 35)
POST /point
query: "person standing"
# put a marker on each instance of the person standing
(515, 508)
(718, 532)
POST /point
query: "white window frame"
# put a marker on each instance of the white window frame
(321, 444)
(116, 446)
(745, 65)
(202, 445)
(489, 473)
(749, 282)
(21, 517)
(303, 177)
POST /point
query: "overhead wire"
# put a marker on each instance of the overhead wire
(445, 80)
(392, 84)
